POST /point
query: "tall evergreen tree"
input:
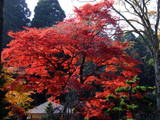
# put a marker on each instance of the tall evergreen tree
(15, 17)
(1, 23)
(50, 113)
(3, 103)
(47, 13)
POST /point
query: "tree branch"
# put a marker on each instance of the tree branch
(135, 29)
(158, 18)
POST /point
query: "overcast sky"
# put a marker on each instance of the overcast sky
(67, 5)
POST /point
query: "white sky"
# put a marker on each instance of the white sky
(66, 5)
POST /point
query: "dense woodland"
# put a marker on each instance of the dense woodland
(90, 63)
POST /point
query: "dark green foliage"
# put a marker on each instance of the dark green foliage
(50, 113)
(141, 53)
(47, 13)
(39, 98)
(3, 102)
(141, 107)
(1, 23)
(3, 105)
(15, 17)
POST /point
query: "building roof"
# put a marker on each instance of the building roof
(41, 109)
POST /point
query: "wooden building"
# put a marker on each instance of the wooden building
(37, 113)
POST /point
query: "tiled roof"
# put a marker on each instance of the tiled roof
(42, 108)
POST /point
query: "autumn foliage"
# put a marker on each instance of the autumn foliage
(81, 55)
(17, 94)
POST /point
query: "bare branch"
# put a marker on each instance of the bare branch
(132, 20)
(136, 30)
(158, 18)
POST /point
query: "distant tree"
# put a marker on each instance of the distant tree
(1, 23)
(15, 17)
(141, 53)
(3, 103)
(145, 21)
(47, 13)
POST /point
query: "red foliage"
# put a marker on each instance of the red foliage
(55, 58)
(129, 115)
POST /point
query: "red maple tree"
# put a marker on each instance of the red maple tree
(80, 56)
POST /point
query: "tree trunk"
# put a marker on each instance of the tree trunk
(1, 24)
(157, 81)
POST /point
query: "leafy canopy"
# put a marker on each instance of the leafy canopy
(55, 59)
